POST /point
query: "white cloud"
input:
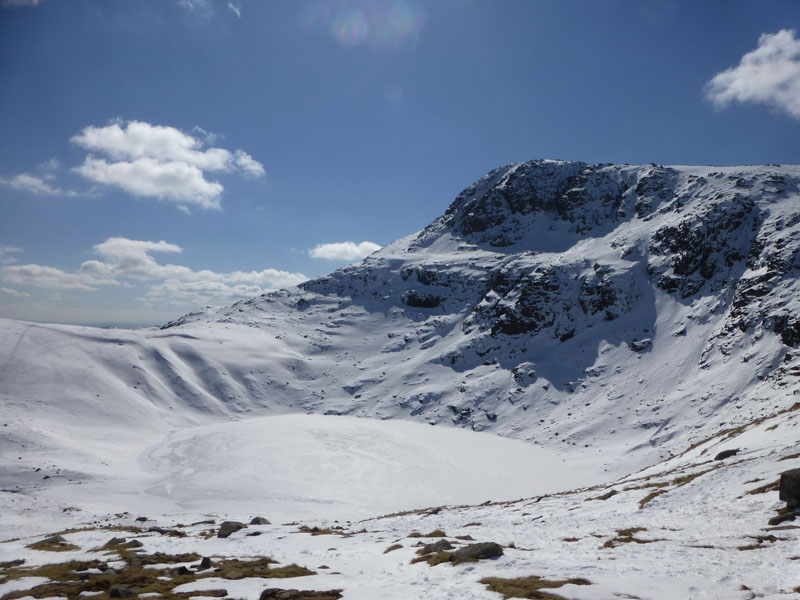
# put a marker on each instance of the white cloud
(123, 261)
(160, 162)
(174, 181)
(343, 250)
(237, 9)
(7, 254)
(248, 164)
(35, 184)
(770, 74)
(45, 277)
(15, 293)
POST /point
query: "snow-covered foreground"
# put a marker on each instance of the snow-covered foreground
(299, 467)
(691, 527)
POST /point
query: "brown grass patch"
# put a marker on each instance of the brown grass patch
(529, 587)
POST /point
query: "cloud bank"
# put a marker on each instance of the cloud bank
(343, 250)
(160, 162)
(125, 262)
(770, 75)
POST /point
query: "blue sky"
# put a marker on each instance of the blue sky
(160, 155)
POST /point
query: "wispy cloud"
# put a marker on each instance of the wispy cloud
(343, 250)
(8, 254)
(40, 183)
(236, 9)
(15, 293)
(770, 75)
(123, 261)
(200, 7)
(377, 24)
(160, 162)
(9, 3)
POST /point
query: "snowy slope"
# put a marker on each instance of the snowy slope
(617, 318)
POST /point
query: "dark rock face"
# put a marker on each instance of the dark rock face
(421, 299)
(559, 299)
(229, 527)
(790, 488)
(703, 246)
(493, 209)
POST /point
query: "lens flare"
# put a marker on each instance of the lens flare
(350, 28)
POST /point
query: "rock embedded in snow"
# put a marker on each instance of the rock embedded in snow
(790, 488)
(726, 454)
(229, 527)
(479, 551)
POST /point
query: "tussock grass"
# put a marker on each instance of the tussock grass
(436, 533)
(54, 543)
(532, 587)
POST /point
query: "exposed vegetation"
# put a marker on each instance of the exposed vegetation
(137, 575)
(529, 587)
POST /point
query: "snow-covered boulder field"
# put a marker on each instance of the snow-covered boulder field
(582, 381)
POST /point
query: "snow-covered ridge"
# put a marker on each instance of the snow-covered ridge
(616, 310)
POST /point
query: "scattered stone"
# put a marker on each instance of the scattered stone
(726, 454)
(120, 592)
(205, 564)
(777, 520)
(253, 534)
(142, 519)
(183, 570)
(279, 594)
(260, 521)
(439, 546)
(790, 488)
(229, 527)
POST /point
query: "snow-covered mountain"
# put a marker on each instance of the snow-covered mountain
(556, 302)
(621, 317)
(553, 301)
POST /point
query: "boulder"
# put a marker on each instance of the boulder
(260, 521)
(228, 527)
(479, 551)
(726, 454)
(790, 488)
(439, 546)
